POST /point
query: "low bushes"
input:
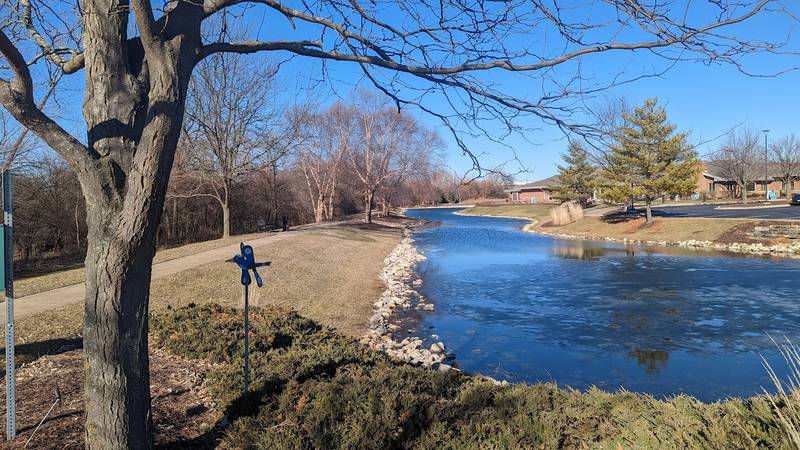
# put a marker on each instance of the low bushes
(313, 388)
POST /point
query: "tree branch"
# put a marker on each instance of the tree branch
(254, 46)
(17, 97)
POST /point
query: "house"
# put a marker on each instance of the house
(712, 185)
(541, 191)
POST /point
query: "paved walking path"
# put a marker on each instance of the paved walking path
(43, 301)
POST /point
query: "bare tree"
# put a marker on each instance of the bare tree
(320, 154)
(786, 158)
(389, 147)
(136, 80)
(737, 159)
(233, 124)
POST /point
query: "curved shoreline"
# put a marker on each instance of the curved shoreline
(401, 294)
(758, 249)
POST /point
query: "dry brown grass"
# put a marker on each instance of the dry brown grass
(330, 275)
(54, 280)
(664, 229)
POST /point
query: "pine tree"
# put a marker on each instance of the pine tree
(649, 159)
(577, 176)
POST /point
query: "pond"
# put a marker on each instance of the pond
(519, 306)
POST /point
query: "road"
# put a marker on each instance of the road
(780, 213)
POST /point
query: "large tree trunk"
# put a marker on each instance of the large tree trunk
(648, 212)
(744, 193)
(133, 120)
(117, 388)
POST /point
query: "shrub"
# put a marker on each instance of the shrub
(313, 388)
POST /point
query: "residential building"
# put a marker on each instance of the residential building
(541, 191)
(712, 185)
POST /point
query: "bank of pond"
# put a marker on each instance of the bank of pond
(664, 321)
(314, 388)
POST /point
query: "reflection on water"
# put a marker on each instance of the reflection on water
(651, 360)
(526, 307)
(577, 250)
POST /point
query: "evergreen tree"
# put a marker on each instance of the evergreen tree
(649, 159)
(577, 176)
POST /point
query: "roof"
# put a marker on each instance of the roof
(711, 169)
(545, 183)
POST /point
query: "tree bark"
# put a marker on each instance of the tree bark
(226, 220)
(648, 213)
(369, 197)
(226, 208)
(744, 193)
(174, 222)
(117, 386)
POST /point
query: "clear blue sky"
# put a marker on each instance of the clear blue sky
(706, 100)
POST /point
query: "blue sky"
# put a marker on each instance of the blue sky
(706, 100)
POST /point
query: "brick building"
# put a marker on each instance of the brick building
(711, 185)
(541, 191)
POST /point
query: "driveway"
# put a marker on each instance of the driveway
(779, 213)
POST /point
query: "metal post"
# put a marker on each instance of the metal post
(8, 266)
(246, 369)
(247, 262)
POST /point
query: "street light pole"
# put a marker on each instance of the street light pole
(766, 164)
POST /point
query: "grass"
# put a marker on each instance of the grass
(664, 229)
(54, 280)
(315, 388)
(330, 275)
(788, 391)
(536, 212)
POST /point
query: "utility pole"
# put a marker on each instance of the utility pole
(766, 165)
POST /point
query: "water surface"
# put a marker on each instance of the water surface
(524, 307)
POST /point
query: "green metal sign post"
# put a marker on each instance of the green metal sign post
(7, 271)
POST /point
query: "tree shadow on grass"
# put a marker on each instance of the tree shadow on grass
(621, 217)
(25, 353)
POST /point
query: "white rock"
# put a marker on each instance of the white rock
(437, 348)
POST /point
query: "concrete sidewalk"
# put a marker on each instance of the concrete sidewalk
(43, 301)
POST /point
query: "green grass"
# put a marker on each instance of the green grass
(536, 212)
(315, 388)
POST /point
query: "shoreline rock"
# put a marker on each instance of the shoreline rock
(790, 250)
(401, 293)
